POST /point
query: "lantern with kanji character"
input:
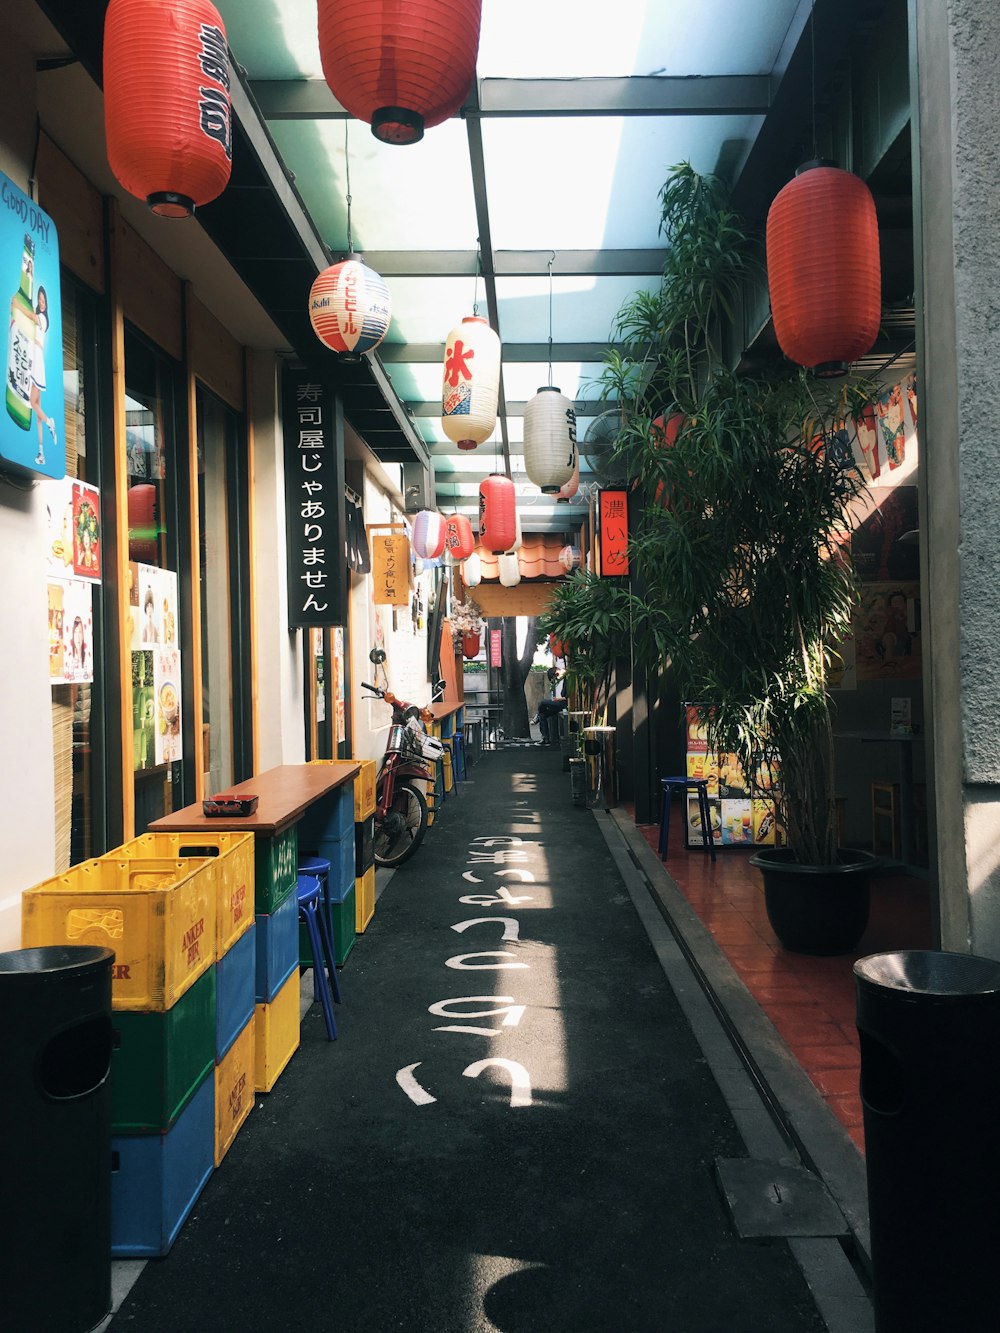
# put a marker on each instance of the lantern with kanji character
(470, 644)
(167, 113)
(518, 541)
(509, 569)
(428, 534)
(459, 540)
(823, 268)
(472, 571)
(471, 382)
(549, 439)
(350, 307)
(497, 513)
(569, 558)
(399, 67)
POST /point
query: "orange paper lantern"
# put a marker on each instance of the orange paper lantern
(823, 268)
(497, 513)
(459, 540)
(167, 113)
(402, 66)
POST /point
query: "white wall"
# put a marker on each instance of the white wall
(27, 807)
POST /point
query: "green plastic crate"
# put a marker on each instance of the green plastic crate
(159, 1059)
(344, 926)
(276, 869)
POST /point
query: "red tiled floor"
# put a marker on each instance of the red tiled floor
(809, 1000)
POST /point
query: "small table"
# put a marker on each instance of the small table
(284, 795)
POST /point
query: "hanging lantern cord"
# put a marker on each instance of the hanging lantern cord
(347, 160)
(551, 262)
(475, 285)
(812, 53)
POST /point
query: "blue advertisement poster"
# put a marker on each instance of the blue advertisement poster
(32, 420)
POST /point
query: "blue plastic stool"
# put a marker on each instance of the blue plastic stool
(459, 770)
(309, 891)
(319, 868)
(684, 785)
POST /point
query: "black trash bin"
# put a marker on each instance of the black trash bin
(55, 1138)
(929, 1024)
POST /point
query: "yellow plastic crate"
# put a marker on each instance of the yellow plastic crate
(364, 899)
(364, 790)
(449, 779)
(276, 1033)
(235, 1084)
(157, 915)
(230, 858)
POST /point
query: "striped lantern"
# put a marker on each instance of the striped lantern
(497, 512)
(549, 439)
(471, 382)
(459, 540)
(167, 113)
(569, 558)
(428, 534)
(401, 68)
(350, 307)
(823, 268)
(509, 568)
(572, 486)
(472, 570)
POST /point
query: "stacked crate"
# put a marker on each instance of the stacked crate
(276, 982)
(327, 830)
(158, 914)
(364, 845)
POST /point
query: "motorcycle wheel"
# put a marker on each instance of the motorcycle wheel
(402, 831)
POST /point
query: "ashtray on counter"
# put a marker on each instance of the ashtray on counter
(228, 805)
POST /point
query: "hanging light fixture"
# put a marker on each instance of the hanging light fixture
(167, 112)
(569, 558)
(509, 569)
(401, 68)
(472, 570)
(428, 534)
(497, 512)
(459, 540)
(471, 382)
(549, 430)
(349, 303)
(567, 492)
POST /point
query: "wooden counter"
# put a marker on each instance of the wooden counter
(442, 711)
(285, 794)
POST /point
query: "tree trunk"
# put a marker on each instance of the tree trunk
(514, 672)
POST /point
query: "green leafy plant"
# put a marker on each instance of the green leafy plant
(743, 580)
(589, 614)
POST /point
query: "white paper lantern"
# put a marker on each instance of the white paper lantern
(428, 534)
(350, 307)
(418, 565)
(572, 486)
(471, 382)
(549, 439)
(472, 571)
(569, 558)
(510, 569)
(518, 536)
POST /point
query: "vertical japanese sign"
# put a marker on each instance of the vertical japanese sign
(390, 552)
(314, 499)
(613, 532)
(33, 420)
(495, 650)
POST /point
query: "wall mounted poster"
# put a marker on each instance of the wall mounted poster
(738, 820)
(32, 421)
(156, 666)
(73, 559)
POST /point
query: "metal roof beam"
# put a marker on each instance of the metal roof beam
(427, 353)
(517, 263)
(584, 407)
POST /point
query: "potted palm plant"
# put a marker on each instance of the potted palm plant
(741, 549)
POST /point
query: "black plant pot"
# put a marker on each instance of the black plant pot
(816, 909)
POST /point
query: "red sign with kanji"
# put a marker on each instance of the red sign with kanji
(613, 533)
(495, 657)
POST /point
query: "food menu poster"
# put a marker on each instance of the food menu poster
(73, 565)
(156, 666)
(738, 819)
(33, 417)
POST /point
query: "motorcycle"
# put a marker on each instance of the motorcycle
(401, 807)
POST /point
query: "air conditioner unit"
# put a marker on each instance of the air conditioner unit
(418, 487)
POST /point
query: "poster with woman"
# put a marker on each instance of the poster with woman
(167, 698)
(78, 631)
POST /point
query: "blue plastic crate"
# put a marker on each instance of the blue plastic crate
(328, 819)
(277, 949)
(341, 868)
(156, 1178)
(235, 990)
(364, 845)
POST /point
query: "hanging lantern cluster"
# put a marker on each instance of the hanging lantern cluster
(569, 558)
(497, 513)
(823, 268)
(167, 112)
(459, 540)
(472, 570)
(471, 383)
(509, 569)
(401, 68)
(549, 439)
(428, 534)
(567, 492)
(350, 307)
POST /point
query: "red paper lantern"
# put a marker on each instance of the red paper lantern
(459, 540)
(823, 268)
(167, 114)
(497, 513)
(350, 307)
(664, 434)
(402, 66)
(470, 644)
(558, 647)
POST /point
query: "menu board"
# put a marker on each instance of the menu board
(738, 819)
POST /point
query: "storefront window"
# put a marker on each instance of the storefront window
(155, 635)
